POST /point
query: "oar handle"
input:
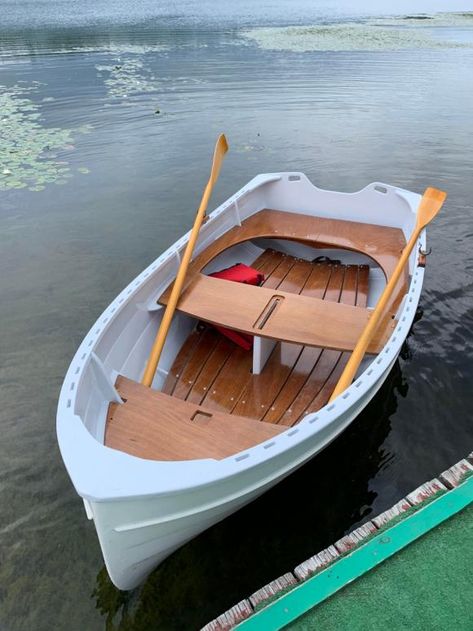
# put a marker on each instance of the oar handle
(221, 147)
(429, 206)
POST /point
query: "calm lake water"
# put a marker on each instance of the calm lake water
(108, 120)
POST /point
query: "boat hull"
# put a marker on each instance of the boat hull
(144, 509)
(133, 547)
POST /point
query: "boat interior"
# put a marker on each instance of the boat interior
(304, 318)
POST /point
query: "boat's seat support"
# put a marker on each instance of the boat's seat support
(262, 349)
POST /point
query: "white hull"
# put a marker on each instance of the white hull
(143, 510)
(147, 530)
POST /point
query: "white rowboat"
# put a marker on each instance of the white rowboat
(220, 425)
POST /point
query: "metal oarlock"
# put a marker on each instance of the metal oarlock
(423, 254)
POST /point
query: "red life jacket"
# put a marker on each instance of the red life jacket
(239, 273)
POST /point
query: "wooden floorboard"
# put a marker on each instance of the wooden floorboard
(181, 360)
(355, 290)
(195, 362)
(226, 388)
(210, 370)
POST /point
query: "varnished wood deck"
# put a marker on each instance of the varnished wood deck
(153, 425)
(212, 372)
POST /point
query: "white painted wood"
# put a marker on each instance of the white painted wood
(262, 349)
(425, 491)
(103, 380)
(273, 588)
(230, 618)
(316, 563)
(391, 513)
(352, 540)
(454, 476)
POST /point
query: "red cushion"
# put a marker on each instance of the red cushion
(239, 273)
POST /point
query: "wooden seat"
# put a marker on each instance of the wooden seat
(155, 426)
(381, 243)
(280, 315)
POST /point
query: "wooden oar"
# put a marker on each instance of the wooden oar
(429, 206)
(221, 149)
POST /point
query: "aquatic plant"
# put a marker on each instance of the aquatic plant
(127, 77)
(343, 37)
(28, 149)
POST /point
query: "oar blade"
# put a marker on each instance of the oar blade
(430, 204)
(221, 148)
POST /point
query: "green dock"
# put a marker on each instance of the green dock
(409, 567)
(425, 586)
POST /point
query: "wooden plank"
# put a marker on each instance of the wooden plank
(384, 518)
(315, 286)
(300, 372)
(262, 389)
(245, 307)
(317, 282)
(425, 491)
(271, 589)
(225, 391)
(355, 288)
(197, 359)
(313, 385)
(355, 538)
(273, 280)
(316, 563)
(155, 426)
(454, 476)
(267, 262)
(210, 370)
(181, 360)
(229, 619)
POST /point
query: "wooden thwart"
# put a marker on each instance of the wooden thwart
(280, 315)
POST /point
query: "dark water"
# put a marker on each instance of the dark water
(111, 199)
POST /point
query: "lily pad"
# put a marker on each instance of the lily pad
(27, 148)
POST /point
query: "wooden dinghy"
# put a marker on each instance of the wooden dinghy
(167, 423)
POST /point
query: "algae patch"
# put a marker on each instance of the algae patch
(28, 149)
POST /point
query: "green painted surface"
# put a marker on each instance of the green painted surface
(426, 586)
(366, 606)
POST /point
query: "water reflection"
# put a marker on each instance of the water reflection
(317, 504)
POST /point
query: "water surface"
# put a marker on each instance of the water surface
(108, 125)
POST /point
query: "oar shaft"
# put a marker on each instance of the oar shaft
(365, 338)
(161, 336)
(429, 206)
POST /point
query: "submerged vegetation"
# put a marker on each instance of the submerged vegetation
(29, 151)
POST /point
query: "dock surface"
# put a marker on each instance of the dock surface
(425, 586)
